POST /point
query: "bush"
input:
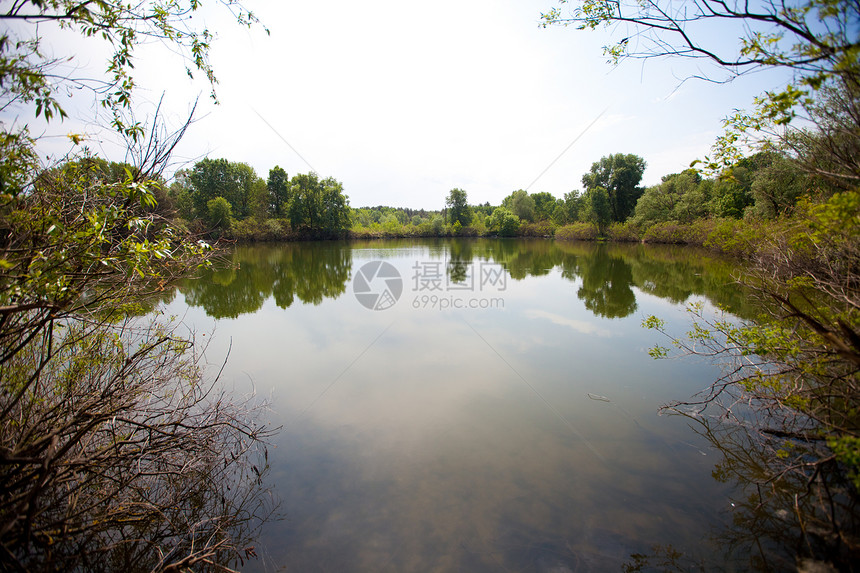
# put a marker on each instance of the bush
(219, 213)
(539, 229)
(578, 232)
(624, 232)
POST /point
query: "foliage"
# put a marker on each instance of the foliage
(237, 183)
(816, 39)
(577, 232)
(679, 197)
(28, 74)
(279, 191)
(624, 232)
(619, 176)
(219, 213)
(458, 207)
(116, 452)
(504, 223)
(598, 208)
(545, 204)
(539, 229)
(318, 208)
(521, 204)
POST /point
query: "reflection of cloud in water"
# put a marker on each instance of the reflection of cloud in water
(578, 325)
(408, 444)
(498, 486)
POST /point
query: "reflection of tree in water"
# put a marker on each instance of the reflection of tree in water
(460, 257)
(781, 520)
(310, 272)
(606, 282)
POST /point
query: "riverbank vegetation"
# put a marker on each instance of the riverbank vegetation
(117, 450)
(787, 176)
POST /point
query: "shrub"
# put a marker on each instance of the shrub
(539, 229)
(578, 232)
(624, 232)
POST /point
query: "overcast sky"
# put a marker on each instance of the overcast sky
(404, 100)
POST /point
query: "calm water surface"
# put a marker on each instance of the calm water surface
(501, 415)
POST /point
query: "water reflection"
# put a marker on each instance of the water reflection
(420, 439)
(779, 518)
(606, 274)
(310, 272)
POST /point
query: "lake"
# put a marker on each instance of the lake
(477, 405)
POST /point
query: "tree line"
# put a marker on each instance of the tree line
(229, 199)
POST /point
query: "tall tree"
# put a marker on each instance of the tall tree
(521, 204)
(318, 207)
(619, 175)
(278, 186)
(238, 183)
(545, 205)
(458, 207)
(599, 209)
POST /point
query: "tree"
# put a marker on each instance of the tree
(117, 452)
(619, 175)
(458, 206)
(318, 208)
(568, 209)
(504, 222)
(238, 183)
(678, 197)
(815, 39)
(545, 205)
(599, 210)
(278, 186)
(219, 213)
(521, 204)
(796, 369)
(28, 76)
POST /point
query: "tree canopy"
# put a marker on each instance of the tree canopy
(459, 211)
(619, 175)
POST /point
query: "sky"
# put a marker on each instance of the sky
(402, 101)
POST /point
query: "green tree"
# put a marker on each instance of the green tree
(545, 205)
(777, 187)
(219, 213)
(278, 186)
(209, 179)
(569, 209)
(238, 183)
(619, 175)
(318, 208)
(504, 223)
(117, 453)
(458, 207)
(181, 193)
(679, 197)
(815, 39)
(521, 204)
(599, 210)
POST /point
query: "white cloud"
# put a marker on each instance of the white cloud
(579, 326)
